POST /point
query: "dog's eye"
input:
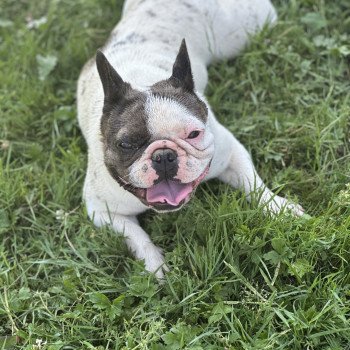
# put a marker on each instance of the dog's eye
(193, 134)
(125, 145)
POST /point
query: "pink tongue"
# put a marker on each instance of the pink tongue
(169, 192)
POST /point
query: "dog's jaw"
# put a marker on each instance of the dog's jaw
(161, 202)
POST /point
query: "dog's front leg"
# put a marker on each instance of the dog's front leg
(137, 240)
(240, 173)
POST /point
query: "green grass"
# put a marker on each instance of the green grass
(238, 279)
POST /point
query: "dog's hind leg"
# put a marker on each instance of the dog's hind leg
(231, 22)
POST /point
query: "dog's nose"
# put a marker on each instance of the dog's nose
(164, 162)
(164, 156)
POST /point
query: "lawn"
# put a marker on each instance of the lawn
(238, 279)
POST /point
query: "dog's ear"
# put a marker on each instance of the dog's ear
(182, 73)
(114, 87)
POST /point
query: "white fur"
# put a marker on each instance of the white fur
(222, 29)
(163, 112)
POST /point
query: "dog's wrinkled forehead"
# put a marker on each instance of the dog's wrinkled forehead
(172, 110)
(189, 100)
(151, 116)
(168, 118)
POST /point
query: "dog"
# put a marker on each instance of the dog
(152, 137)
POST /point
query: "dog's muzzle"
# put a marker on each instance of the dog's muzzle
(165, 163)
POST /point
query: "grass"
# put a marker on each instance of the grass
(238, 279)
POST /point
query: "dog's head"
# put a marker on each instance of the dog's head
(157, 143)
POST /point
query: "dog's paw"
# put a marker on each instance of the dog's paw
(154, 261)
(276, 205)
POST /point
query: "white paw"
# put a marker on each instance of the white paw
(154, 260)
(276, 204)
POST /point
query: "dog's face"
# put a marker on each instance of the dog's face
(157, 144)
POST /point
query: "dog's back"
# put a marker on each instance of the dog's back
(214, 29)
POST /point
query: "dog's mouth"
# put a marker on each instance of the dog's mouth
(169, 194)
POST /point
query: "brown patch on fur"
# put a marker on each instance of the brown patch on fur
(124, 122)
(190, 100)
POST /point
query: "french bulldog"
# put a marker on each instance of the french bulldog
(152, 137)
